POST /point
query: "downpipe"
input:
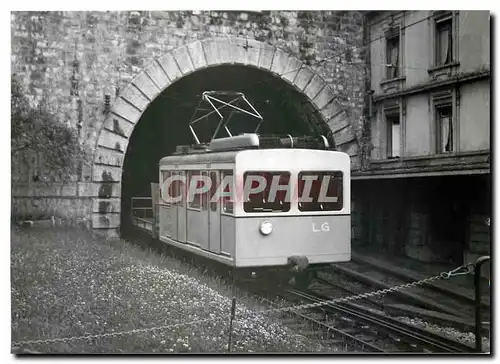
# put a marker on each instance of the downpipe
(478, 290)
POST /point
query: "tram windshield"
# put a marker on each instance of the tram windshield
(266, 192)
(320, 191)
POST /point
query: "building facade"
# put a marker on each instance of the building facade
(426, 190)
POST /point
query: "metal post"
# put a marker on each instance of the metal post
(233, 309)
(477, 283)
(132, 210)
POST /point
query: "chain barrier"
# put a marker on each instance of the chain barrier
(112, 334)
(462, 270)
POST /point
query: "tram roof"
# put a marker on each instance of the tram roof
(230, 156)
(201, 157)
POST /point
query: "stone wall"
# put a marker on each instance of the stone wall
(70, 201)
(69, 56)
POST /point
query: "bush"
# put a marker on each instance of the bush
(37, 130)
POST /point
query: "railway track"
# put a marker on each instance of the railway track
(460, 293)
(375, 327)
(424, 297)
(337, 338)
(352, 327)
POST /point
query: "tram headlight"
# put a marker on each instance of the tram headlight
(266, 227)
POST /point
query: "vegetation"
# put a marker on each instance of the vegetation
(37, 130)
(68, 283)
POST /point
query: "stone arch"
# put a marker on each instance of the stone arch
(162, 72)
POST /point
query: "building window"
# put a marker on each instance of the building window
(444, 41)
(393, 136)
(444, 133)
(392, 57)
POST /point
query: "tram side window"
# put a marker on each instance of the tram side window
(173, 188)
(227, 200)
(263, 201)
(325, 192)
(166, 190)
(213, 190)
(205, 196)
(181, 189)
(194, 198)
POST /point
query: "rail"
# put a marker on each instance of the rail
(409, 333)
(265, 294)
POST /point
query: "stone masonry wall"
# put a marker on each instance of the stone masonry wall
(73, 60)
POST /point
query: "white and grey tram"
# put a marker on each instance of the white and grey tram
(244, 229)
(259, 201)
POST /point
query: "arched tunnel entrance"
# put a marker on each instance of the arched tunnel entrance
(164, 124)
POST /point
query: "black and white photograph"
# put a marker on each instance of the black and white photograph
(242, 182)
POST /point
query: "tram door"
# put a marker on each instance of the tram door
(182, 213)
(214, 224)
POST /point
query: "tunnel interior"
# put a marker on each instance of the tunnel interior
(164, 124)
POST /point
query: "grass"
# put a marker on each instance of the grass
(69, 283)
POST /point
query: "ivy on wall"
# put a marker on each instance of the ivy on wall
(36, 131)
